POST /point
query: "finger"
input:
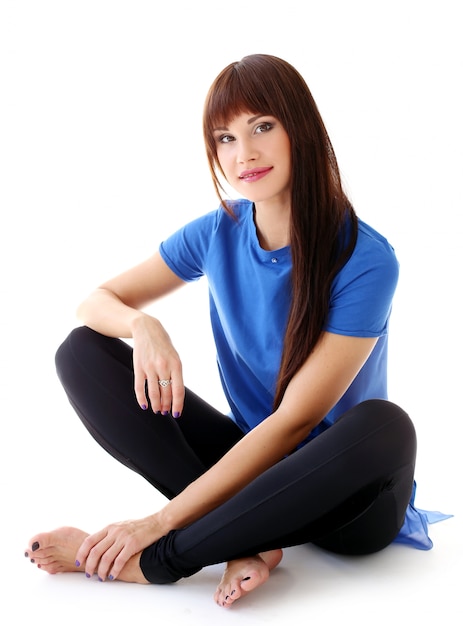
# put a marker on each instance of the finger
(89, 551)
(106, 562)
(140, 389)
(178, 397)
(119, 562)
(164, 384)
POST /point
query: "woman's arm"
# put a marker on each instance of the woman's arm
(114, 309)
(312, 392)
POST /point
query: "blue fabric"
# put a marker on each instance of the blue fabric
(414, 531)
(249, 290)
(249, 300)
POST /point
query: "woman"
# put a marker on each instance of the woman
(300, 298)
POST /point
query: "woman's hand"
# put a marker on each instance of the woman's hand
(107, 552)
(155, 359)
(115, 309)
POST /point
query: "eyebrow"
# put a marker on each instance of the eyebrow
(250, 121)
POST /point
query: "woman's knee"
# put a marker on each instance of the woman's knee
(83, 351)
(66, 353)
(385, 412)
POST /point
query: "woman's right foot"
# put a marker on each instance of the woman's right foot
(242, 576)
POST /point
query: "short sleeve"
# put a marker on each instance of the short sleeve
(185, 251)
(362, 292)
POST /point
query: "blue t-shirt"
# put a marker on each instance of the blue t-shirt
(249, 291)
(249, 302)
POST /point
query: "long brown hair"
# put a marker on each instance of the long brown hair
(323, 227)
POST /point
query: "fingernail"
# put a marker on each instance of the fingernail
(35, 546)
(165, 412)
(176, 414)
(77, 563)
(144, 407)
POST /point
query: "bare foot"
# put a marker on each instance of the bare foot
(244, 575)
(55, 552)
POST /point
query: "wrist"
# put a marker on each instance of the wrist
(140, 321)
(164, 520)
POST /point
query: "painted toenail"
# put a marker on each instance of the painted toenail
(32, 561)
(111, 577)
(35, 546)
(77, 563)
(26, 554)
(87, 575)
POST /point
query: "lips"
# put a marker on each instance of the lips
(255, 174)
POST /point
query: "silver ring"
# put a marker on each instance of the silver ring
(164, 382)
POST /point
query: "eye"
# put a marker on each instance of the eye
(264, 127)
(225, 138)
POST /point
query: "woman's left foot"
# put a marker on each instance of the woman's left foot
(55, 552)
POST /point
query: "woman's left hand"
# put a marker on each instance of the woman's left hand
(107, 552)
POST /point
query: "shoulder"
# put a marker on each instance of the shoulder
(363, 290)
(373, 254)
(190, 250)
(220, 219)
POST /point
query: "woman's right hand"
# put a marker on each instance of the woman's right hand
(155, 359)
(115, 309)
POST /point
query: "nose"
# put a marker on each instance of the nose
(246, 151)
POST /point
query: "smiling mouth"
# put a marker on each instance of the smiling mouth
(256, 173)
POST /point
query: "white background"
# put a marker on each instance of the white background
(101, 157)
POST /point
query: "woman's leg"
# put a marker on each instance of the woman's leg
(97, 375)
(348, 490)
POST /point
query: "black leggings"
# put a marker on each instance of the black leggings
(346, 491)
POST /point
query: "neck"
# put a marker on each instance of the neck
(272, 226)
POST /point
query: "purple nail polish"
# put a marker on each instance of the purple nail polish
(77, 563)
(87, 575)
(26, 554)
(35, 546)
(111, 577)
(176, 414)
(165, 412)
(144, 407)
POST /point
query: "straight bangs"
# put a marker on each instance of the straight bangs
(234, 92)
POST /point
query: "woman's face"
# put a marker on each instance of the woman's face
(254, 153)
